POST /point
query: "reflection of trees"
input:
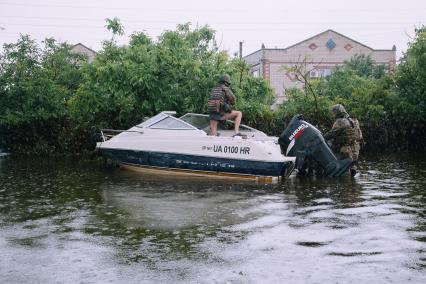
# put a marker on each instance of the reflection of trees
(412, 177)
(344, 191)
(43, 198)
(62, 198)
(33, 190)
(114, 208)
(318, 200)
(171, 220)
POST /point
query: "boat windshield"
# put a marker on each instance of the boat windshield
(166, 120)
(171, 123)
(202, 121)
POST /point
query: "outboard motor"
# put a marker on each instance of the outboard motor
(305, 142)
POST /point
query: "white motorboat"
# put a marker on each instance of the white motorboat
(182, 145)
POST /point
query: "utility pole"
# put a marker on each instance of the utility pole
(241, 49)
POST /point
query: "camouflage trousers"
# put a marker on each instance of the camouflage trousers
(349, 152)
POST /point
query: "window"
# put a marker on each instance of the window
(255, 73)
(330, 44)
(320, 73)
(325, 72)
(170, 123)
(313, 46)
(202, 122)
(197, 120)
(313, 74)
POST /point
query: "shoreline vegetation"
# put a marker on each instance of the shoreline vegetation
(53, 101)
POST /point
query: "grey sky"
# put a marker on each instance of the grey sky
(277, 23)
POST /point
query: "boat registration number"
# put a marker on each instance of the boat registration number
(231, 149)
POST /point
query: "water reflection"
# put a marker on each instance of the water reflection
(174, 210)
(67, 221)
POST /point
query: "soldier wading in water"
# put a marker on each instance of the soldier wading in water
(345, 136)
(220, 104)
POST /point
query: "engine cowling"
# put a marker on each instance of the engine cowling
(305, 142)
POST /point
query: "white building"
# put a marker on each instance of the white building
(322, 53)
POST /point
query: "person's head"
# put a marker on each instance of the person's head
(339, 111)
(225, 79)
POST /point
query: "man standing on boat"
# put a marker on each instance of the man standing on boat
(345, 136)
(220, 104)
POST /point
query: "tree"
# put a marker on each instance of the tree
(35, 86)
(343, 83)
(115, 27)
(36, 82)
(364, 66)
(301, 71)
(411, 74)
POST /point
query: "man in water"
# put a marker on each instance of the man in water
(345, 136)
(220, 104)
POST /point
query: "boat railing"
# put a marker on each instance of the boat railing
(107, 134)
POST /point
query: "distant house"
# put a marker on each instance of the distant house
(322, 52)
(84, 50)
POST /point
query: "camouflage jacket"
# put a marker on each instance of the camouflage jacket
(220, 100)
(345, 131)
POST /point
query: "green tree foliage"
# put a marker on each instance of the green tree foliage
(52, 100)
(410, 106)
(344, 83)
(36, 84)
(176, 72)
(123, 85)
(364, 66)
(411, 75)
(115, 27)
(390, 108)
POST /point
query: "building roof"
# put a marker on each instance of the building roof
(329, 30)
(83, 46)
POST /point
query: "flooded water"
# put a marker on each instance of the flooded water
(78, 222)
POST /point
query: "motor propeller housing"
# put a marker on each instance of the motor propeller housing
(305, 142)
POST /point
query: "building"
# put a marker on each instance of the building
(322, 53)
(84, 50)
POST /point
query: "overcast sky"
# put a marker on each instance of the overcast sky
(379, 24)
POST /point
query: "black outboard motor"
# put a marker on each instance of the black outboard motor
(305, 142)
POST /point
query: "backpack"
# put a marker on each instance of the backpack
(357, 133)
(216, 100)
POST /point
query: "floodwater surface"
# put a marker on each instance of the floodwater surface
(79, 222)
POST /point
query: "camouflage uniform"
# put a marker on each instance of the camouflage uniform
(345, 135)
(221, 98)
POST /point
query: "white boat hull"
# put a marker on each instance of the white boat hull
(194, 152)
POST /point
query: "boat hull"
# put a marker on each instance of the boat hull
(199, 165)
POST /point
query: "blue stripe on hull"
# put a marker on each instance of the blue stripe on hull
(199, 163)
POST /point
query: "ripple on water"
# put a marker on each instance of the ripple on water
(72, 223)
